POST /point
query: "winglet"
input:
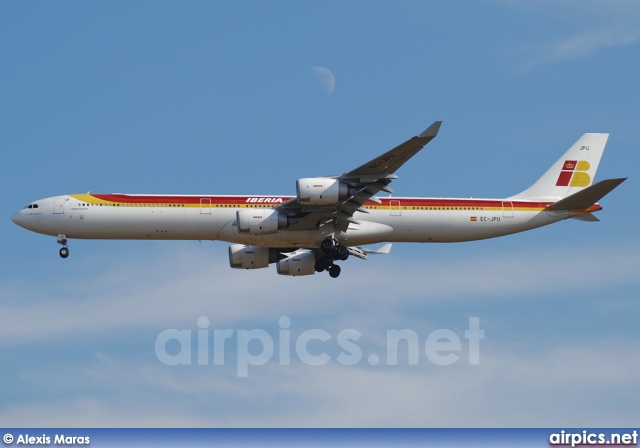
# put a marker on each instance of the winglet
(389, 162)
(432, 130)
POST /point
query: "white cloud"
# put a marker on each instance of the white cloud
(172, 290)
(575, 386)
(578, 29)
(518, 382)
(583, 45)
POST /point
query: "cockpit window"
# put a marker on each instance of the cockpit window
(29, 206)
(35, 205)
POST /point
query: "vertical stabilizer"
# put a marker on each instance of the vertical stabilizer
(572, 172)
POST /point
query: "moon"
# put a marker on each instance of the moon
(325, 78)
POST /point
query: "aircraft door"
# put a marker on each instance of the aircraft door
(58, 206)
(507, 209)
(205, 206)
(394, 208)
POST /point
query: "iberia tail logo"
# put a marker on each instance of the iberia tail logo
(574, 174)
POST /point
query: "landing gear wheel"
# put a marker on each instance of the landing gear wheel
(334, 271)
(321, 265)
(64, 252)
(342, 252)
(326, 245)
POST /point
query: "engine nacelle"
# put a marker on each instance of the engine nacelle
(321, 191)
(251, 257)
(297, 264)
(260, 221)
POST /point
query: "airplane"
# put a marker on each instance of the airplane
(330, 217)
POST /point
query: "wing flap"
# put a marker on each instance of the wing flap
(351, 207)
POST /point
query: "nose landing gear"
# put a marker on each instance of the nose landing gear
(331, 251)
(64, 251)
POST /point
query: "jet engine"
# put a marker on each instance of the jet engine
(297, 264)
(251, 257)
(321, 191)
(260, 221)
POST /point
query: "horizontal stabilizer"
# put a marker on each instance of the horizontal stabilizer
(587, 197)
(588, 217)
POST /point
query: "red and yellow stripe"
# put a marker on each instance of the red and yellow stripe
(395, 203)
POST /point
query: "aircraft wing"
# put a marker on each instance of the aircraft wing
(364, 183)
(362, 252)
(391, 160)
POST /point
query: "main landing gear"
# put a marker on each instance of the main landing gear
(64, 252)
(331, 251)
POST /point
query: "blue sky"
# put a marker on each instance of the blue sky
(220, 98)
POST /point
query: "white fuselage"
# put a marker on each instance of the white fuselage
(396, 219)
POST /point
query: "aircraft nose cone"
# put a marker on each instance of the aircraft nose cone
(16, 218)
